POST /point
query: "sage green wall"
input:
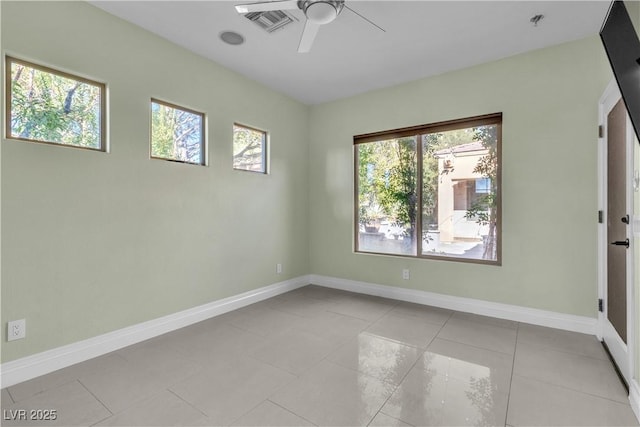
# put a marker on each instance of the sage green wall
(549, 99)
(93, 242)
(633, 8)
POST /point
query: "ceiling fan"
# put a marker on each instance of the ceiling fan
(317, 12)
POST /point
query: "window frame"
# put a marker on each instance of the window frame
(417, 131)
(9, 60)
(265, 144)
(203, 141)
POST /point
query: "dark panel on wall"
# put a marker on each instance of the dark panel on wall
(623, 49)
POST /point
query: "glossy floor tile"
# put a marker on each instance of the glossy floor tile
(109, 362)
(269, 414)
(586, 374)
(454, 384)
(230, 389)
(320, 356)
(162, 409)
(380, 358)
(480, 331)
(366, 307)
(467, 363)
(294, 351)
(6, 397)
(264, 321)
(68, 405)
(333, 327)
(405, 330)
(384, 420)
(332, 395)
(320, 292)
(533, 402)
(221, 340)
(127, 385)
(559, 340)
(439, 316)
(299, 305)
(485, 320)
(428, 399)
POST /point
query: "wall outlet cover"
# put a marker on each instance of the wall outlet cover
(16, 329)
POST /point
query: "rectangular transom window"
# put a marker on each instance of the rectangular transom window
(431, 191)
(249, 149)
(53, 107)
(177, 133)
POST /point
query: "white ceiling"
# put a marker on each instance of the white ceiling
(351, 56)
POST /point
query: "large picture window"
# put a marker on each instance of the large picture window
(431, 191)
(53, 107)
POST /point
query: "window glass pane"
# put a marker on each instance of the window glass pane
(249, 149)
(450, 199)
(387, 196)
(459, 204)
(483, 185)
(176, 134)
(52, 107)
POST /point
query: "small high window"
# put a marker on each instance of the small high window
(53, 107)
(249, 149)
(177, 133)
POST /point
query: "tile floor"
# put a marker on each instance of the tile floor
(317, 356)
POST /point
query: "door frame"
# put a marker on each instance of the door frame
(608, 100)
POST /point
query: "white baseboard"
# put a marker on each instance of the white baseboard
(634, 397)
(585, 325)
(26, 368)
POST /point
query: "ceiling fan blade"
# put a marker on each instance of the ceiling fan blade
(366, 19)
(267, 6)
(308, 35)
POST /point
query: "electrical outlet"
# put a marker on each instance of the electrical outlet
(16, 329)
(405, 274)
(279, 268)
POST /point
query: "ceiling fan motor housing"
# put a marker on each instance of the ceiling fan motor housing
(321, 11)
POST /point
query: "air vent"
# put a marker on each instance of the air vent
(271, 20)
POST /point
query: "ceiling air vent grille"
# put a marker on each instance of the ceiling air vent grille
(271, 20)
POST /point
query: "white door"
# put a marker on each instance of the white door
(615, 232)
